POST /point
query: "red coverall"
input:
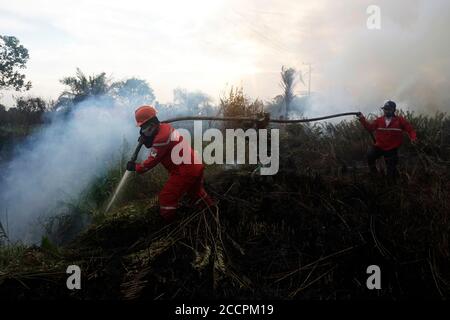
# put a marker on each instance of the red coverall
(388, 138)
(183, 178)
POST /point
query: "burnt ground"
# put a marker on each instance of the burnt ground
(296, 235)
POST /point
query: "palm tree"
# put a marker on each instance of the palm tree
(82, 87)
(288, 82)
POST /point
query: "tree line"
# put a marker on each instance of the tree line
(133, 91)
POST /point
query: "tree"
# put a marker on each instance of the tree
(288, 82)
(31, 105)
(276, 106)
(236, 104)
(194, 103)
(13, 57)
(30, 110)
(133, 91)
(3, 114)
(82, 87)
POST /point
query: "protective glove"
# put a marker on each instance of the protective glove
(131, 166)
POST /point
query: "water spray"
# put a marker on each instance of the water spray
(124, 177)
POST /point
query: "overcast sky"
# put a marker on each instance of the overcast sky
(211, 45)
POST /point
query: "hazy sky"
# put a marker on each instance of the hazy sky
(210, 45)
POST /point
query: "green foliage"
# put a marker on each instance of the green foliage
(10, 255)
(31, 105)
(433, 132)
(13, 57)
(28, 111)
(83, 87)
(132, 91)
(47, 245)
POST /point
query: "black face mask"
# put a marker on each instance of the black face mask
(148, 134)
(389, 113)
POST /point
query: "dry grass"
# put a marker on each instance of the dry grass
(307, 233)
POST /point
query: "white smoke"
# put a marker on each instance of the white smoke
(58, 162)
(353, 67)
(61, 160)
(406, 60)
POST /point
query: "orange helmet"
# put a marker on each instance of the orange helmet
(143, 114)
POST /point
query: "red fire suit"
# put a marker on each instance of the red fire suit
(389, 137)
(183, 177)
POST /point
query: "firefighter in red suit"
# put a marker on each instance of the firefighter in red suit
(388, 138)
(184, 178)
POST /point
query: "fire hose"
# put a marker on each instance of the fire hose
(265, 120)
(266, 117)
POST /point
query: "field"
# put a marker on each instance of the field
(309, 232)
